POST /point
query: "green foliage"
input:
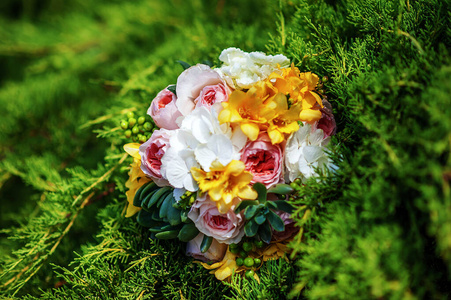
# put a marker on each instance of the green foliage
(377, 228)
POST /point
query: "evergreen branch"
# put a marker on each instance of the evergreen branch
(48, 254)
(100, 179)
(106, 117)
(133, 82)
(406, 34)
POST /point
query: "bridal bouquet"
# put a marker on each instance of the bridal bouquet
(221, 155)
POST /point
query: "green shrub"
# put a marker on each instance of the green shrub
(378, 228)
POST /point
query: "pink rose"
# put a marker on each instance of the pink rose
(212, 94)
(290, 227)
(191, 83)
(214, 254)
(151, 153)
(263, 160)
(225, 228)
(327, 121)
(163, 110)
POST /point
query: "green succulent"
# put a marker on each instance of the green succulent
(161, 213)
(260, 215)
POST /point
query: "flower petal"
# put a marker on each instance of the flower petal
(251, 130)
(133, 150)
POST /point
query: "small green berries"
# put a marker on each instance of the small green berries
(247, 246)
(131, 122)
(234, 250)
(239, 261)
(249, 274)
(138, 128)
(142, 138)
(124, 124)
(248, 262)
(147, 126)
(259, 244)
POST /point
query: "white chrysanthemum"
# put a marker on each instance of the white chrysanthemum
(242, 69)
(304, 152)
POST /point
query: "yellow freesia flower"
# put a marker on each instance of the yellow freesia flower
(285, 121)
(136, 178)
(300, 88)
(251, 109)
(225, 183)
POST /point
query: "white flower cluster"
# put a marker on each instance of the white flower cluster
(242, 69)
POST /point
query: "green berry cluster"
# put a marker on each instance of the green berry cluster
(244, 259)
(138, 128)
(297, 186)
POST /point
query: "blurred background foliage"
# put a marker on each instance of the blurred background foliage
(378, 229)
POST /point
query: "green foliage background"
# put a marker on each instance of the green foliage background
(380, 228)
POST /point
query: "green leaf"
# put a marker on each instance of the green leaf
(184, 64)
(172, 88)
(260, 188)
(188, 232)
(145, 219)
(250, 211)
(284, 206)
(137, 199)
(271, 205)
(250, 229)
(281, 188)
(260, 218)
(206, 243)
(244, 204)
(173, 214)
(167, 235)
(265, 232)
(208, 63)
(275, 221)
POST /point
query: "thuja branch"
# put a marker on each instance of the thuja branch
(101, 179)
(38, 255)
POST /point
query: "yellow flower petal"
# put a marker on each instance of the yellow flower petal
(275, 135)
(197, 173)
(247, 193)
(136, 179)
(224, 183)
(310, 115)
(251, 130)
(133, 150)
(225, 268)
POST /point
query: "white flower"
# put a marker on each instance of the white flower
(199, 142)
(304, 152)
(179, 159)
(215, 141)
(242, 69)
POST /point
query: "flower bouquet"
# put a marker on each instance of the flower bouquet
(220, 154)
